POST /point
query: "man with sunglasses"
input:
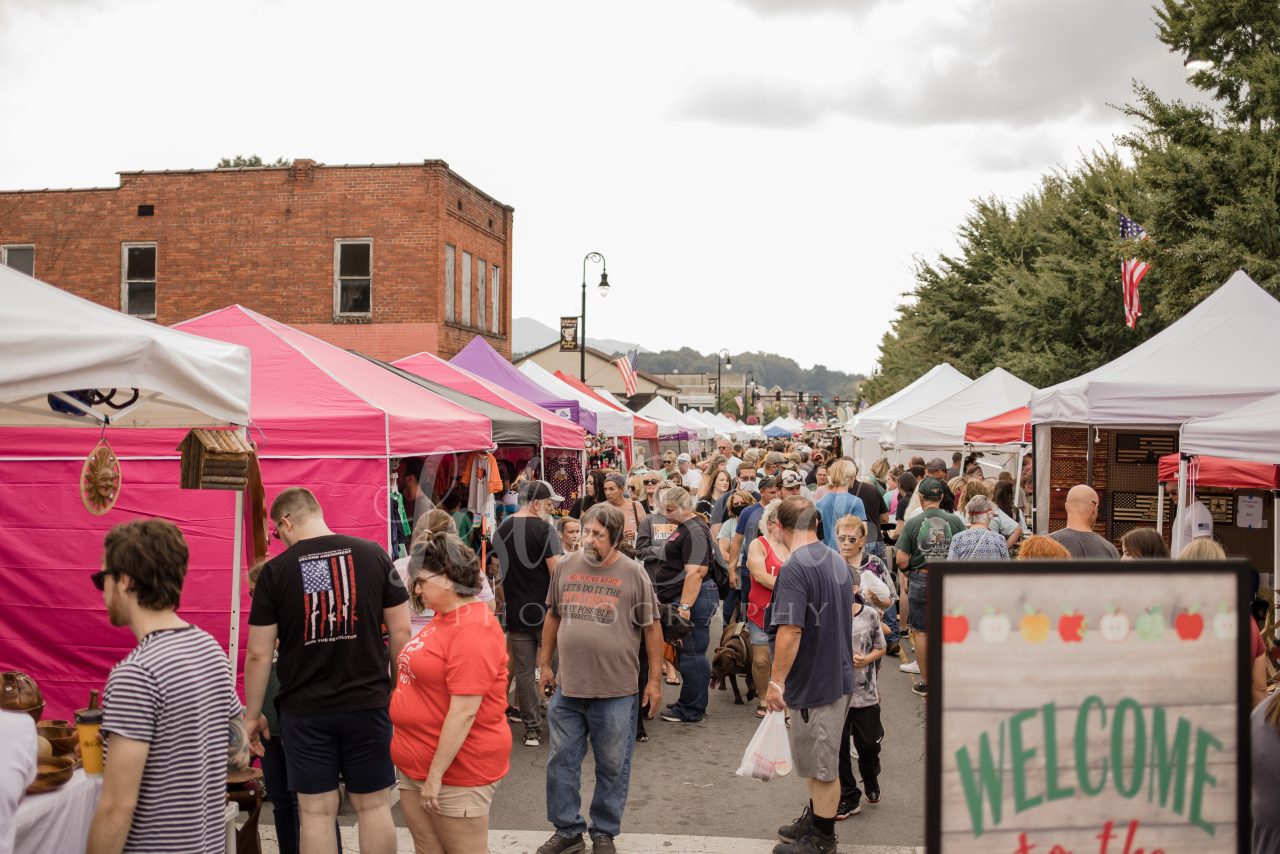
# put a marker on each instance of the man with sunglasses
(172, 723)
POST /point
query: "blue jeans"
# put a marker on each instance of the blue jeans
(891, 620)
(735, 597)
(695, 669)
(611, 724)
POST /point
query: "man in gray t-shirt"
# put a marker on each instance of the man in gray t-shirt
(1078, 537)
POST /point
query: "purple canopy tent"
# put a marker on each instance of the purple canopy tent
(479, 358)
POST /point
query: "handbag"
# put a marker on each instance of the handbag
(674, 627)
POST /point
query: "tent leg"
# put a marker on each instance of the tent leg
(1160, 508)
(1275, 549)
(233, 642)
(1182, 503)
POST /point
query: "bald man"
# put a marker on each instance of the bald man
(1078, 536)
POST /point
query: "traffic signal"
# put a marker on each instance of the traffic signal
(800, 397)
(777, 397)
(836, 400)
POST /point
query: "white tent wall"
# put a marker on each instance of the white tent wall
(941, 425)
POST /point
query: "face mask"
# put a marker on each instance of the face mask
(747, 485)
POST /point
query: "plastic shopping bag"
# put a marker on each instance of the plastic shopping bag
(769, 753)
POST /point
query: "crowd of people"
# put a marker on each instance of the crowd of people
(365, 675)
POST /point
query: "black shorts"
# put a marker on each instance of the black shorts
(355, 745)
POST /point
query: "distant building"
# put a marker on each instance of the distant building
(601, 372)
(387, 259)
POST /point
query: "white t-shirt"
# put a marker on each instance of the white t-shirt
(17, 770)
(731, 466)
(691, 479)
(1196, 523)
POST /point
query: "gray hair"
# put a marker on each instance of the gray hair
(978, 505)
(677, 498)
(770, 514)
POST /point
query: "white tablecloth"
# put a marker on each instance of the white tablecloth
(58, 822)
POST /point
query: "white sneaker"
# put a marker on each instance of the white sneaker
(910, 667)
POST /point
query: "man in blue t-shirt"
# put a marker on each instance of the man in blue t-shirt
(812, 669)
(746, 532)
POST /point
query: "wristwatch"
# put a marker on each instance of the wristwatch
(682, 607)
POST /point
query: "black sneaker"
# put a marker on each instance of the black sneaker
(813, 843)
(532, 738)
(848, 807)
(798, 829)
(873, 798)
(558, 844)
(602, 843)
(513, 714)
(921, 689)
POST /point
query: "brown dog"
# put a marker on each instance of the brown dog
(733, 659)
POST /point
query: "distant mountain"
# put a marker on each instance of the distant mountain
(528, 335)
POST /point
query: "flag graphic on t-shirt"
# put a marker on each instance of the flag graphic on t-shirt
(329, 596)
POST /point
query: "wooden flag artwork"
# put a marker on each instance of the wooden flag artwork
(1089, 707)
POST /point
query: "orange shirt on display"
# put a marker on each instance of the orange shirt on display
(461, 653)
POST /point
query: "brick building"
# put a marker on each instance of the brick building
(387, 259)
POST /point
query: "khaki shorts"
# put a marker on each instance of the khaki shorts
(815, 743)
(455, 801)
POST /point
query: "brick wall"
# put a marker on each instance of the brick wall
(264, 238)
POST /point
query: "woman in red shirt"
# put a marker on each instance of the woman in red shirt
(451, 741)
(765, 557)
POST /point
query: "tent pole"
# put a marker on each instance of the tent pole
(1182, 497)
(1275, 548)
(1019, 497)
(233, 642)
(1088, 454)
(1160, 508)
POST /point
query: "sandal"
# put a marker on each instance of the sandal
(761, 711)
(673, 678)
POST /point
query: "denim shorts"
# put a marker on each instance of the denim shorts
(917, 600)
(757, 635)
(354, 745)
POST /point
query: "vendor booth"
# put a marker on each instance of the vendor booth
(1110, 426)
(609, 421)
(861, 434)
(941, 426)
(661, 410)
(482, 360)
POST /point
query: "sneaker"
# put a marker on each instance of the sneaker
(602, 843)
(513, 714)
(848, 807)
(813, 843)
(676, 719)
(558, 844)
(910, 667)
(873, 798)
(532, 738)
(798, 829)
(892, 650)
(921, 689)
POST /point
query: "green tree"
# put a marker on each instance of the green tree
(239, 161)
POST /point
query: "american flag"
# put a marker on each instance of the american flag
(329, 596)
(738, 400)
(627, 367)
(1132, 271)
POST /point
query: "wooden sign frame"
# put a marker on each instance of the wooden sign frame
(1001, 668)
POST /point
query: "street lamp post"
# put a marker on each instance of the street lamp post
(749, 386)
(728, 362)
(596, 258)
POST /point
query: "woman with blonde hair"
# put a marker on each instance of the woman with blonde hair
(451, 741)
(765, 555)
(1202, 548)
(839, 502)
(880, 471)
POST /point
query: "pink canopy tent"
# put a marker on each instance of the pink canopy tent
(322, 418)
(557, 432)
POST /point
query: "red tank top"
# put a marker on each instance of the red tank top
(758, 597)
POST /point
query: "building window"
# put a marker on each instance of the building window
(495, 289)
(465, 319)
(138, 286)
(20, 258)
(449, 275)
(353, 276)
(482, 273)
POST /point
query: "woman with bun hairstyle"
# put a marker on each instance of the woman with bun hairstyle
(451, 741)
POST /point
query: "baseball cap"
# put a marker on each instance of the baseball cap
(684, 458)
(791, 479)
(539, 490)
(931, 489)
(935, 464)
(773, 458)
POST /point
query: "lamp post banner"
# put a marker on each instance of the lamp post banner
(569, 334)
(1096, 707)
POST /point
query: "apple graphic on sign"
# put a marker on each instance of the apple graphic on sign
(1224, 623)
(955, 627)
(1114, 626)
(1071, 626)
(1035, 625)
(994, 627)
(1151, 624)
(1189, 624)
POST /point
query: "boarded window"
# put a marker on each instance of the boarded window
(449, 282)
(482, 273)
(465, 318)
(495, 289)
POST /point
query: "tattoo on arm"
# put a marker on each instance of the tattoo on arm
(238, 756)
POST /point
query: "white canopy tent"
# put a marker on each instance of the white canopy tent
(609, 421)
(941, 426)
(665, 428)
(736, 429)
(1250, 433)
(862, 432)
(53, 342)
(713, 424)
(659, 409)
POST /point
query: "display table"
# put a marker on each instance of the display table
(58, 822)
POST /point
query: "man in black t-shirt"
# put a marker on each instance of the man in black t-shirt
(326, 599)
(528, 550)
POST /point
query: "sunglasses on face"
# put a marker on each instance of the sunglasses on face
(848, 538)
(99, 579)
(651, 483)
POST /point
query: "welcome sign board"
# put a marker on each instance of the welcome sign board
(1088, 707)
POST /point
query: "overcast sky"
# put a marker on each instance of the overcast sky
(759, 173)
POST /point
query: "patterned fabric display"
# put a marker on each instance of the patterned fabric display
(563, 470)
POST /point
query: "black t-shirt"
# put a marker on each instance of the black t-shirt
(689, 543)
(326, 596)
(874, 504)
(523, 544)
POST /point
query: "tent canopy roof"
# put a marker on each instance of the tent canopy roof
(1218, 356)
(1007, 428)
(644, 428)
(481, 359)
(1221, 472)
(659, 408)
(942, 425)
(52, 341)
(1251, 432)
(557, 432)
(608, 420)
(939, 382)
